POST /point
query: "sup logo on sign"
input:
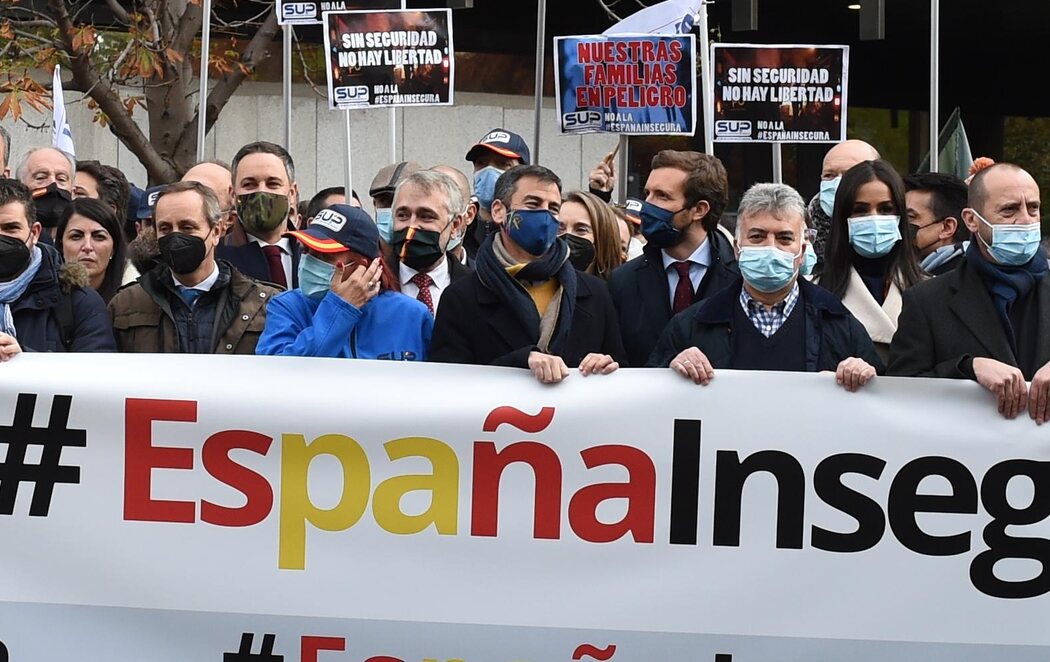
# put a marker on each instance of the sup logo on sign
(497, 137)
(352, 94)
(584, 119)
(332, 220)
(733, 128)
(299, 11)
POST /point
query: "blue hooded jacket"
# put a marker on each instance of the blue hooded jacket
(391, 326)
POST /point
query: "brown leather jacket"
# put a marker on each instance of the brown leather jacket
(143, 320)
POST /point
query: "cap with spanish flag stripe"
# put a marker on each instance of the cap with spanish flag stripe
(502, 142)
(341, 228)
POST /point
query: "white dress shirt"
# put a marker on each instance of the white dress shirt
(285, 244)
(204, 286)
(438, 274)
(699, 261)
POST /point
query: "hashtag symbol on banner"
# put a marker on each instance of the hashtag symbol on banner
(50, 471)
(245, 654)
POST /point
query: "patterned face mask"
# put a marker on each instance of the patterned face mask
(262, 211)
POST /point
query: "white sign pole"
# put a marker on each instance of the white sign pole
(541, 20)
(707, 80)
(202, 98)
(778, 163)
(621, 176)
(349, 156)
(286, 80)
(935, 80)
(393, 121)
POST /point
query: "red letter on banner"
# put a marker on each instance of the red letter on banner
(640, 492)
(313, 644)
(488, 469)
(255, 488)
(141, 457)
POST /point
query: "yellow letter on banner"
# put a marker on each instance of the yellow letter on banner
(443, 485)
(296, 507)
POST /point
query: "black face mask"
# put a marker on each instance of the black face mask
(183, 253)
(51, 204)
(581, 251)
(14, 256)
(417, 249)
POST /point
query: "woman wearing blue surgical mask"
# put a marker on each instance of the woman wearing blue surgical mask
(870, 258)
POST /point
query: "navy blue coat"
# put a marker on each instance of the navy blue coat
(247, 256)
(643, 300)
(832, 333)
(36, 320)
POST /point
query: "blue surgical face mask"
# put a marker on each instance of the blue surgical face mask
(766, 268)
(874, 236)
(828, 189)
(315, 276)
(485, 185)
(385, 223)
(1012, 245)
(535, 230)
(809, 261)
(657, 223)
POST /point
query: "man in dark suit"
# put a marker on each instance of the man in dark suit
(266, 197)
(429, 211)
(526, 306)
(988, 320)
(686, 258)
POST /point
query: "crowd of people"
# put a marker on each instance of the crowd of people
(924, 275)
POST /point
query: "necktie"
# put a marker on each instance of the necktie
(683, 292)
(423, 282)
(189, 295)
(276, 264)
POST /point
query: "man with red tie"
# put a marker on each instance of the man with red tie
(265, 199)
(429, 213)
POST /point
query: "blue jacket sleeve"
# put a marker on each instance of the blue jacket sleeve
(291, 332)
(94, 329)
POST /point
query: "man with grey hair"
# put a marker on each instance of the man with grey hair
(49, 175)
(5, 153)
(429, 211)
(770, 319)
(190, 303)
(464, 247)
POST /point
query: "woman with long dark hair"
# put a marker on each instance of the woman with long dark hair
(90, 234)
(870, 258)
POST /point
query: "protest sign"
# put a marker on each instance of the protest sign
(626, 84)
(389, 58)
(167, 508)
(292, 12)
(779, 94)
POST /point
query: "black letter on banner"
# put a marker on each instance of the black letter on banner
(905, 503)
(1002, 546)
(730, 476)
(685, 482)
(3, 652)
(871, 522)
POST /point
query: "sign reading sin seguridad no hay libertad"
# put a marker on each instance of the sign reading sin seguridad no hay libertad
(627, 84)
(389, 58)
(784, 94)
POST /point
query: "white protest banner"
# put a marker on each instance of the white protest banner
(174, 508)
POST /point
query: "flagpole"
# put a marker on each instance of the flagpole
(202, 98)
(935, 79)
(707, 80)
(286, 85)
(541, 21)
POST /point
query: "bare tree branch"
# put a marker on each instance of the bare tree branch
(119, 12)
(258, 50)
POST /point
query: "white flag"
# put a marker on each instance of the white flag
(62, 137)
(668, 17)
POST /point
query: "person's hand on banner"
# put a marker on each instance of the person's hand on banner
(853, 373)
(598, 364)
(8, 347)
(547, 368)
(359, 286)
(692, 364)
(603, 177)
(1039, 396)
(1006, 382)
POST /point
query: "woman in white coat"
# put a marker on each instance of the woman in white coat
(870, 258)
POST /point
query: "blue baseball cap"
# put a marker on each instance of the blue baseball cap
(503, 142)
(340, 228)
(147, 201)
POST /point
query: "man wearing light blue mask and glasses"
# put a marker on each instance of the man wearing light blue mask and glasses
(770, 319)
(989, 319)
